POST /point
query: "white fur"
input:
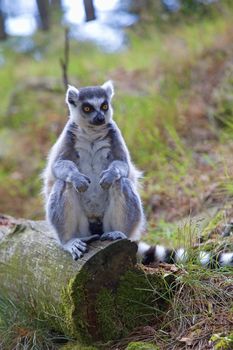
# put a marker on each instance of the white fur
(72, 108)
(160, 252)
(137, 232)
(226, 259)
(72, 89)
(108, 87)
(47, 174)
(181, 255)
(142, 248)
(204, 258)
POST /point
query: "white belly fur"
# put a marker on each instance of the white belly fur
(93, 159)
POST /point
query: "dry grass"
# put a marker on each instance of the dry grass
(201, 307)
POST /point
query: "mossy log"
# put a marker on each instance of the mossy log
(101, 297)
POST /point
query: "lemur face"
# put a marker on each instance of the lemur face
(90, 106)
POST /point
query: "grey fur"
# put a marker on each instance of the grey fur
(90, 183)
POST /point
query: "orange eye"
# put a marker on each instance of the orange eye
(104, 107)
(87, 108)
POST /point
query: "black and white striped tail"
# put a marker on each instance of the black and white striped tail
(159, 253)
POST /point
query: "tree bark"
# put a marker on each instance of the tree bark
(57, 4)
(3, 34)
(44, 13)
(101, 297)
(89, 10)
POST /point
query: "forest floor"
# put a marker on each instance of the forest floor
(174, 105)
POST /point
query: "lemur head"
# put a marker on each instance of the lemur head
(90, 106)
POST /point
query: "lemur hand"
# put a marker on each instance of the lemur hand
(81, 182)
(108, 177)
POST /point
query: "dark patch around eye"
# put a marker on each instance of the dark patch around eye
(105, 103)
(87, 105)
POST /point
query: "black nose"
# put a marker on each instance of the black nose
(99, 119)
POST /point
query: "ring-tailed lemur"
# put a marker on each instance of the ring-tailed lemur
(91, 185)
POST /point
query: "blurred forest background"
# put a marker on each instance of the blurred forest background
(172, 65)
(171, 62)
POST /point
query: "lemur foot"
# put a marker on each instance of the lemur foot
(113, 236)
(77, 248)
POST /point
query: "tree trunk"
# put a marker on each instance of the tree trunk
(3, 34)
(101, 297)
(89, 10)
(57, 4)
(43, 8)
(56, 12)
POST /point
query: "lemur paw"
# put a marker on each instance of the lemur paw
(107, 178)
(77, 248)
(81, 183)
(113, 236)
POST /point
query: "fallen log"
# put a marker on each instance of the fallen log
(101, 297)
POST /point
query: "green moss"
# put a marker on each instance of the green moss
(75, 307)
(222, 342)
(141, 298)
(141, 346)
(111, 326)
(73, 346)
(137, 299)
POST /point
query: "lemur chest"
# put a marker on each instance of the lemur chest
(92, 157)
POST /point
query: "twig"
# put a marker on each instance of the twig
(64, 62)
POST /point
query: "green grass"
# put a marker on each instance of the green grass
(22, 328)
(201, 297)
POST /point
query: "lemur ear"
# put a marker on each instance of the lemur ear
(72, 96)
(109, 88)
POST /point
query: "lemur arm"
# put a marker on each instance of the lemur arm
(120, 165)
(64, 167)
(67, 171)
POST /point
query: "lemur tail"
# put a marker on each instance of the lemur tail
(159, 253)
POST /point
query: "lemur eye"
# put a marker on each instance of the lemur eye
(87, 108)
(104, 106)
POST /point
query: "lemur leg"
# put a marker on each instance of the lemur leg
(68, 219)
(124, 216)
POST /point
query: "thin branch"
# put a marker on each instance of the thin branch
(64, 62)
